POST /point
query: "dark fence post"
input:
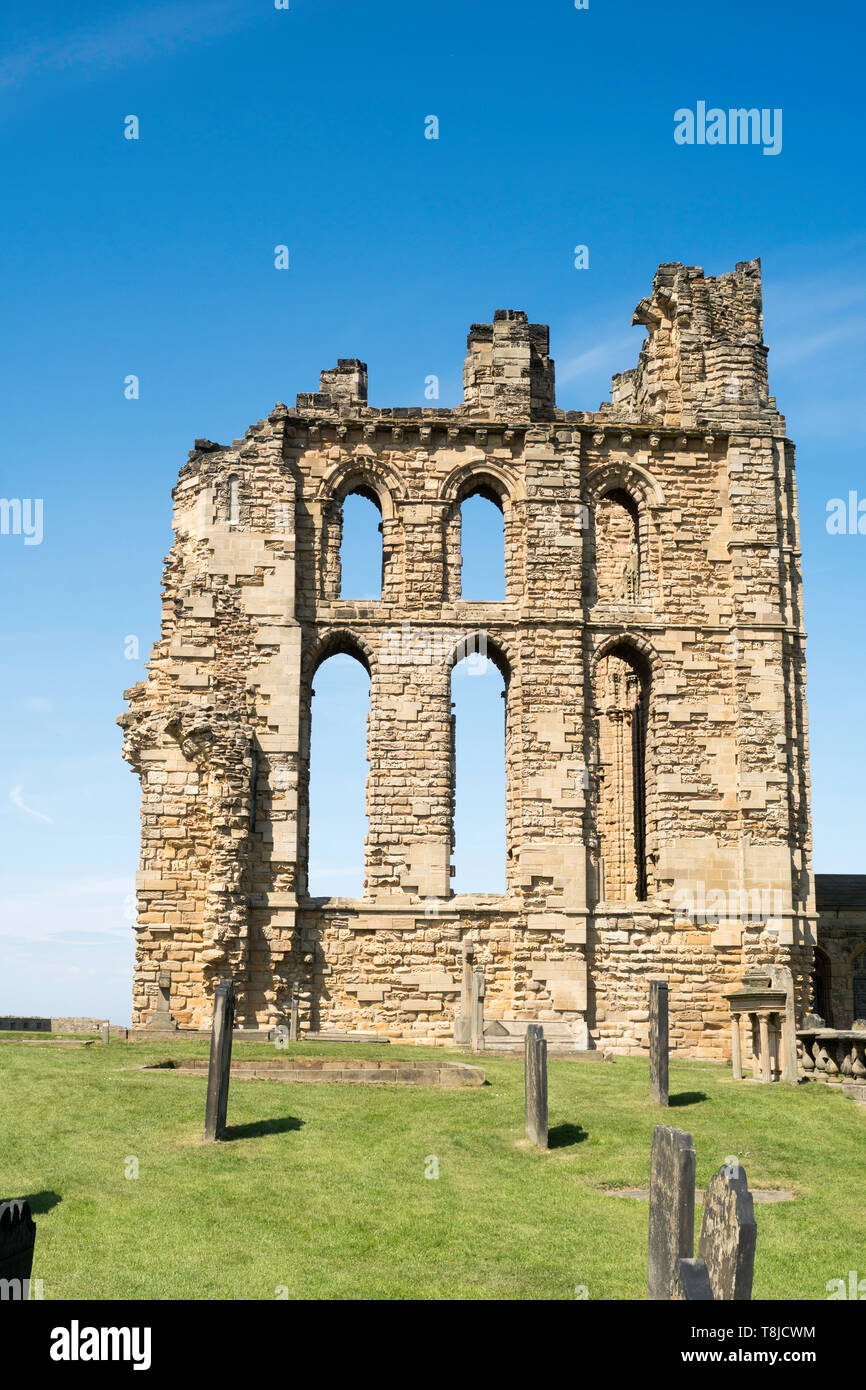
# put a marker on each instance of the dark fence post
(658, 1041)
(535, 1084)
(220, 1060)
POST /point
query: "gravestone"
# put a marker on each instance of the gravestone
(463, 1021)
(476, 1015)
(535, 1084)
(220, 1060)
(161, 1017)
(691, 1282)
(294, 1020)
(658, 1041)
(106, 1032)
(671, 1208)
(17, 1239)
(728, 1235)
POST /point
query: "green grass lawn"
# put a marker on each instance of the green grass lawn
(321, 1189)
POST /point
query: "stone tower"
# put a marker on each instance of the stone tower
(652, 648)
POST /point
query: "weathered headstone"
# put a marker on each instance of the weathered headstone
(463, 1021)
(161, 1017)
(671, 1208)
(728, 1234)
(476, 1014)
(17, 1239)
(535, 1084)
(691, 1282)
(220, 1060)
(294, 1020)
(106, 1032)
(658, 1041)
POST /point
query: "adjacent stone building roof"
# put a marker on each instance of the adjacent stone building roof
(840, 892)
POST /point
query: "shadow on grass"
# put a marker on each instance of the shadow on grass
(562, 1136)
(43, 1201)
(688, 1098)
(260, 1127)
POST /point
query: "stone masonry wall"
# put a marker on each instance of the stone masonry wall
(657, 534)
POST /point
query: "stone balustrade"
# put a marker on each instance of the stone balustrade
(832, 1054)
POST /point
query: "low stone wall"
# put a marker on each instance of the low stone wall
(343, 1069)
(77, 1025)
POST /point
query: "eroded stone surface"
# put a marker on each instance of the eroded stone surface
(652, 643)
(729, 1234)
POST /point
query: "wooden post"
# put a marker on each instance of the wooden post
(658, 1042)
(294, 1022)
(220, 1060)
(535, 1084)
(477, 1011)
(736, 1051)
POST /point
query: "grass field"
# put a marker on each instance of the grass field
(320, 1190)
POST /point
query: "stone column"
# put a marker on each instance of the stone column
(658, 1041)
(736, 1052)
(783, 978)
(535, 1084)
(764, 1028)
(220, 1061)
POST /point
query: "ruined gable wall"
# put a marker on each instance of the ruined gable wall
(220, 731)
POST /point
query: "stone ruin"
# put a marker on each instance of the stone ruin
(652, 647)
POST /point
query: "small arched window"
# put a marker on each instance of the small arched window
(234, 499)
(482, 546)
(617, 548)
(362, 557)
(821, 986)
(478, 749)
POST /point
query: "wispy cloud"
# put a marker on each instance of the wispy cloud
(136, 36)
(806, 319)
(76, 912)
(17, 800)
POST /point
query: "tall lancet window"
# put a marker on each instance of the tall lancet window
(623, 698)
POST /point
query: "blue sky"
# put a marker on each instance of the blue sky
(305, 127)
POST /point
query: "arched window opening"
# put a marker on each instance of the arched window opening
(338, 778)
(482, 547)
(617, 548)
(361, 554)
(859, 987)
(234, 499)
(821, 986)
(623, 693)
(478, 758)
